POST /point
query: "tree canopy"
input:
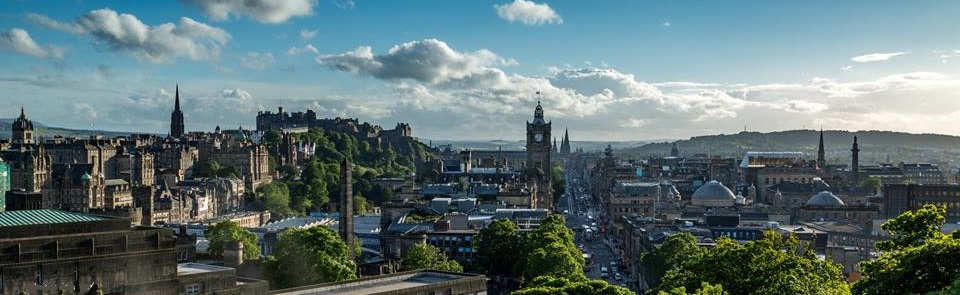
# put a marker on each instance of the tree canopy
(771, 265)
(309, 256)
(917, 259)
(424, 256)
(549, 250)
(498, 247)
(276, 198)
(550, 285)
(228, 231)
(674, 251)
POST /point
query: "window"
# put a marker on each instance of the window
(193, 289)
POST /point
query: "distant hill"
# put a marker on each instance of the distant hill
(875, 146)
(48, 131)
(588, 146)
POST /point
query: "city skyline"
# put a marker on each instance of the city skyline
(616, 71)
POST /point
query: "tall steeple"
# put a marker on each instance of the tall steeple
(565, 144)
(821, 154)
(176, 118)
(22, 132)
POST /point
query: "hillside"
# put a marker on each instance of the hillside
(875, 146)
(48, 131)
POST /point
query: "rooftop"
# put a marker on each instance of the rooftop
(386, 284)
(43, 216)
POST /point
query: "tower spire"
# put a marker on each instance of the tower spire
(176, 106)
(821, 154)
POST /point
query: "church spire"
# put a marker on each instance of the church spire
(821, 154)
(565, 144)
(176, 106)
(176, 117)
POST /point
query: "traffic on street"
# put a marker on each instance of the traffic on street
(587, 219)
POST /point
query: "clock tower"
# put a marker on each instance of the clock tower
(538, 158)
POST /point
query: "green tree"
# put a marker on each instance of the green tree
(549, 250)
(674, 251)
(771, 265)
(309, 256)
(557, 180)
(424, 256)
(874, 184)
(208, 168)
(705, 289)
(549, 285)
(289, 172)
(918, 258)
(498, 247)
(360, 204)
(228, 231)
(229, 172)
(276, 198)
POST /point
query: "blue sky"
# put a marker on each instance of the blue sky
(610, 70)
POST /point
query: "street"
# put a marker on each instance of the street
(583, 215)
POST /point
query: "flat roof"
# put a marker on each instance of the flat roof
(195, 268)
(380, 284)
(43, 216)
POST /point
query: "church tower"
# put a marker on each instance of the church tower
(821, 155)
(22, 130)
(565, 144)
(176, 118)
(538, 157)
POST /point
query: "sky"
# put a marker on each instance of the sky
(607, 70)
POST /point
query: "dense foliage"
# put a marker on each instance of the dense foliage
(275, 197)
(228, 231)
(771, 265)
(557, 180)
(549, 250)
(918, 259)
(498, 247)
(316, 184)
(674, 251)
(424, 256)
(545, 259)
(309, 256)
(548, 285)
(211, 168)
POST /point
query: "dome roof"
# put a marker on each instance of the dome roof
(713, 190)
(824, 198)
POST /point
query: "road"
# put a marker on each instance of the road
(583, 210)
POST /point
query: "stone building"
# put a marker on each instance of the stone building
(539, 165)
(92, 252)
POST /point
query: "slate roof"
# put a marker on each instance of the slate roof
(43, 216)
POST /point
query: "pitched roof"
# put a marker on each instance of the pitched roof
(43, 216)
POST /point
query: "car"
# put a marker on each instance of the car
(618, 277)
(603, 269)
(604, 275)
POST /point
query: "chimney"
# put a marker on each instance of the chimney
(232, 254)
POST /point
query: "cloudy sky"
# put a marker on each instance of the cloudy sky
(610, 70)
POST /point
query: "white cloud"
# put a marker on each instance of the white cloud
(309, 48)
(528, 12)
(345, 4)
(873, 57)
(429, 61)
(847, 68)
(666, 23)
(633, 123)
(307, 34)
(264, 11)
(157, 44)
(19, 41)
(257, 61)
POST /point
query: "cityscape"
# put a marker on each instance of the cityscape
(467, 147)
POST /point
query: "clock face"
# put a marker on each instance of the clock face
(538, 137)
